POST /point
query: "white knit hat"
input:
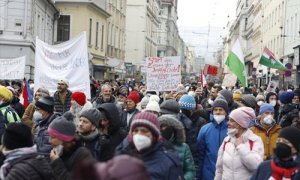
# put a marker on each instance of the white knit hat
(153, 106)
(154, 98)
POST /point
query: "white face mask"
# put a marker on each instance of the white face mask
(141, 142)
(268, 120)
(259, 103)
(219, 118)
(273, 103)
(232, 132)
(210, 102)
(37, 116)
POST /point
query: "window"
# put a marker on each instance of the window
(63, 28)
(97, 29)
(102, 36)
(90, 32)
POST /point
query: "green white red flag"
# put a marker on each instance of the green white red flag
(268, 59)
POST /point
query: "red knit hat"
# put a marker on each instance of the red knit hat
(134, 96)
(79, 97)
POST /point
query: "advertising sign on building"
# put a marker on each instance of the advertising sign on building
(163, 73)
(68, 60)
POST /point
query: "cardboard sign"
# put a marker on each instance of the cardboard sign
(163, 73)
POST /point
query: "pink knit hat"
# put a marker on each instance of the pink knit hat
(243, 116)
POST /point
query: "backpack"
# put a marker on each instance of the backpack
(250, 144)
(4, 121)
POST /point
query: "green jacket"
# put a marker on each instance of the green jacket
(186, 158)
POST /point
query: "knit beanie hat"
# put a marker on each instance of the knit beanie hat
(145, 101)
(153, 106)
(236, 96)
(243, 116)
(227, 95)
(93, 115)
(134, 96)
(63, 127)
(147, 120)
(79, 97)
(292, 134)
(248, 100)
(260, 97)
(265, 107)
(180, 89)
(154, 98)
(287, 140)
(5, 93)
(123, 90)
(169, 106)
(286, 97)
(220, 102)
(46, 103)
(17, 135)
(269, 95)
(187, 102)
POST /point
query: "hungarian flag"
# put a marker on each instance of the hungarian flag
(236, 64)
(268, 59)
(26, 93)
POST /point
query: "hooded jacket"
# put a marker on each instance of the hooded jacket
(241, 161)
(182, 148)
(268, 136)
(209, 140)
(115, 133)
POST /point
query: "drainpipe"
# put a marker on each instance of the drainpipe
(25, 19)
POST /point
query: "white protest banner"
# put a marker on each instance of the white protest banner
(68, 60)
(163, 73)
(12, 68)
(229, 80)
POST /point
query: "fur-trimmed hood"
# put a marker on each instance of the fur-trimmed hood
(172, 121)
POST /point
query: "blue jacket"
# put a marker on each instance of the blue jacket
(209, 140)
(160, 162)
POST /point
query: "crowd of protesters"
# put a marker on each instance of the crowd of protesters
(125, 132)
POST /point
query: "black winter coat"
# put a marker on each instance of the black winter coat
(116, 133)
(62, 107)
(34, 168)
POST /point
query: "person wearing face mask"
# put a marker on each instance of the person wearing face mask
(210, 138)
(272, 99)
(260, 99)
(28, 118)
(145, 143)
(267, 129)
(173, 132)
(44, 113)
(241, 151)
(286, 162)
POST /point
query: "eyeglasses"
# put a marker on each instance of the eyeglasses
(37, 108)
(61, 84)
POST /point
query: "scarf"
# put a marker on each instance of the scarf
(90, 136)
(280, 173)
(15, 156)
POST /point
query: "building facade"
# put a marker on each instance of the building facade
(142, 22)
(89, 16)
(115, 50)
(20, 23)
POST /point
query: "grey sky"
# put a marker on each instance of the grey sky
(197, 17)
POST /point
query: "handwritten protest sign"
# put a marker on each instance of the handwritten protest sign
(163, 73)
(12, 68)
(68, 60)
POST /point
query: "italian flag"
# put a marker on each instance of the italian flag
(236, 64)
(268, 59)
